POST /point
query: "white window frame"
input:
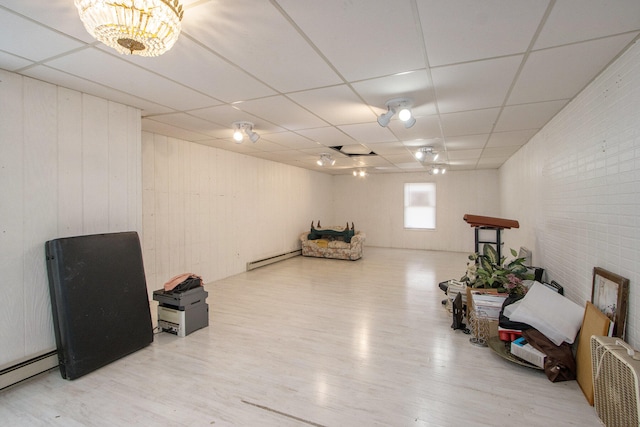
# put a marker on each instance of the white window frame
(420, 205)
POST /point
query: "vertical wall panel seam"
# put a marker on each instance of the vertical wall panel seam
(24, 297)
(82, 183)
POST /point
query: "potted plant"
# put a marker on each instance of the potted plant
(487, 271)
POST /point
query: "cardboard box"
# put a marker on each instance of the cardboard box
(470, 300)
(487, 302)
(522, 349)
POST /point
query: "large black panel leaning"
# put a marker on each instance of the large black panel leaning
(99, 300)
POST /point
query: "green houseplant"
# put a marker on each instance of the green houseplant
(489, 271)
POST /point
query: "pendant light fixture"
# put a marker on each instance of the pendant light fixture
(141, 27)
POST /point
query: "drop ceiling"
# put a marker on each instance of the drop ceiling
(484, 76)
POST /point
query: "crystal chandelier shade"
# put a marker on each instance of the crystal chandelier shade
(143, 27)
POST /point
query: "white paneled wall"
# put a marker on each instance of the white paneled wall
(578, 184)
(70, 164)
(375, 205)
(210, 211)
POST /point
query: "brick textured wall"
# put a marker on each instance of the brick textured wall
(575, 188)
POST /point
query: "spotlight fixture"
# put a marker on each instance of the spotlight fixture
(402, 106)
(437, 169)
(360, 173)
(424, 153)
(245, 128)
(143, 27)
(325, 160)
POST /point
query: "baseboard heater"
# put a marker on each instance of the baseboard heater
(270, 260)
(28, 368)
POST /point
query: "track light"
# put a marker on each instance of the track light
(360, 173)
(426, 153)
(402, 106)
(325, 160)
(244, 128)
(437, 169)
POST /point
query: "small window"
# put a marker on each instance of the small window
(420, 205)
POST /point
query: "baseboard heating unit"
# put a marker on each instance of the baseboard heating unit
(270, 260)
(24, 370)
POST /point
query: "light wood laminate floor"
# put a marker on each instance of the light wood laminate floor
(317, 342)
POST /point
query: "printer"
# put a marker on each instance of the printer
(181, 313)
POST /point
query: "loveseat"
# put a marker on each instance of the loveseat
(333, 242)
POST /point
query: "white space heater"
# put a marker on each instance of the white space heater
(615, 381)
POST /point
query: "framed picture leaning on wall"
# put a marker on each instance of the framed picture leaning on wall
(610, 294)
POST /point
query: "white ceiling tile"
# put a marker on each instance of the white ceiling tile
(297, 155)
(23, 32)
(368, 132)
(154, 126)
(60, 15)
(406, 158)
(355, 149)
(464, 154)
(424, 142)
(282, 112)
(285, 65)
(389, 149)
(387, 40)
(514, 138)
(469, 122)
(491, 162)
(531, 116)
(369, 161)
(410, 166)
(94, 64)
(559, 73)
(255, 36)
(504, 152)
(287, 138)
(189, 122)
(576, 20)
(467, 30)
(464, 167)
(194, 66)
(426, 127)
(328, 136)
(272, 156)
(463, 163)
(12, 63)
(337, 105)
(290, 140)
(240, 147)
(474, 85)
(466, 142)
(265, 145)
(225, 115)
(414, 85)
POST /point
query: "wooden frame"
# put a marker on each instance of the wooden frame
(610, 294)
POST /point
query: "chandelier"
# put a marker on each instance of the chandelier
(143, 27)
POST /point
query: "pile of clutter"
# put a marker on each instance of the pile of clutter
(535, 321)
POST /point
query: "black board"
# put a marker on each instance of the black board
(99, 300)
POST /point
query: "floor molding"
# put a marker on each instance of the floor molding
(27, 369)
(270, 260)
